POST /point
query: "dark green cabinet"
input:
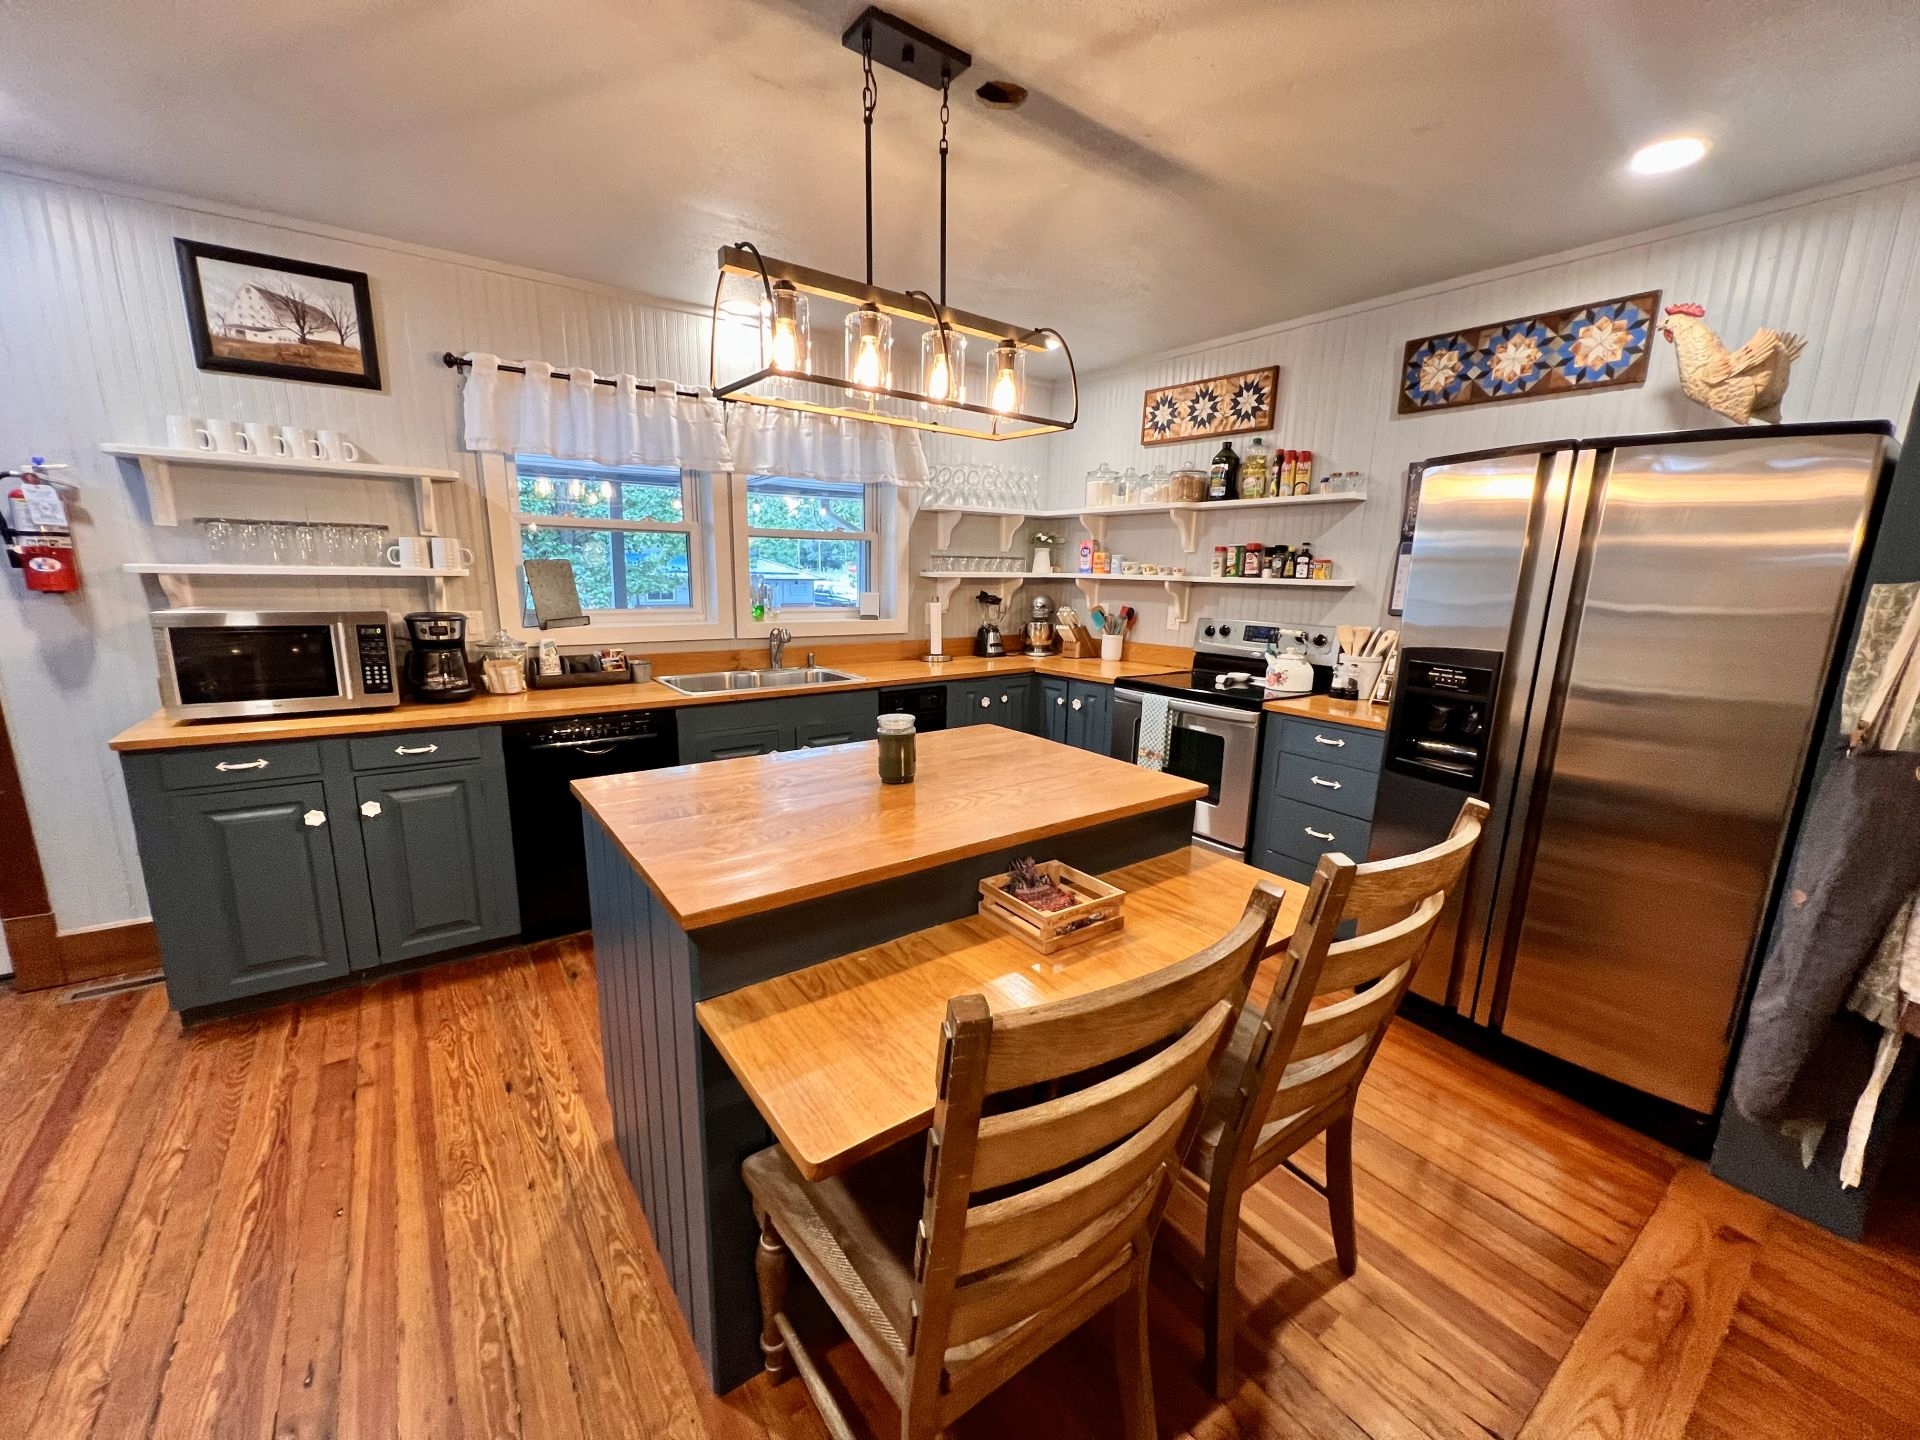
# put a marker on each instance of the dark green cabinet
(243, 889)
(439, 858)
(1077, 713)
(997, 700)
(1317, 784)
(760, 727)
(385, 854)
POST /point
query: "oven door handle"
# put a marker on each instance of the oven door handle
(1214, 712)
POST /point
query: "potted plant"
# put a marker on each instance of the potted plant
(1043, 544)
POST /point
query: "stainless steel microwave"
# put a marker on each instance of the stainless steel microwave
(225, 664)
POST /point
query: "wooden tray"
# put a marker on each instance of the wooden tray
(1048, 930)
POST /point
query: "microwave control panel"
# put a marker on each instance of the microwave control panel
(376, 659)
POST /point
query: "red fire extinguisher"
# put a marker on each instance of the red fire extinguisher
(38, 536)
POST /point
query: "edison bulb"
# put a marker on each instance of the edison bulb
(870, 348)
(788, 319)
(543, 488)
(1008, 371)
(576, 489)
(943, 366)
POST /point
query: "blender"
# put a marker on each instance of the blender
(986, 640)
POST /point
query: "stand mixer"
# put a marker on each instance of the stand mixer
(1040, 627)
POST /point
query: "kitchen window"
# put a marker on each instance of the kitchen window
(641, 540)
(815, 548)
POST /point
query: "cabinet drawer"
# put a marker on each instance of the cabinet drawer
(1315, 780)
(1333, 742)
(239, 764)
(1285, 866)
(414, 747)
(1307, 832)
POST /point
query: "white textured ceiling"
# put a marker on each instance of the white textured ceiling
(1183, 170)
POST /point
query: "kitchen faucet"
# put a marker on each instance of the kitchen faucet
(777, 645)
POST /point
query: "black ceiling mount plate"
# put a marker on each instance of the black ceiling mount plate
(906, 48)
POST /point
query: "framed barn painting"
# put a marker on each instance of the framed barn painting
(1235, 404)
(253, 314)
(1563, 352)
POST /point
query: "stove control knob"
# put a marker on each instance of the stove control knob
(1226, 632)
(1209, 632)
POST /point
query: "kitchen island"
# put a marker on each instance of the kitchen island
(708, 879)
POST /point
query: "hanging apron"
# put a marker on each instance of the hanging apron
(1857, 863)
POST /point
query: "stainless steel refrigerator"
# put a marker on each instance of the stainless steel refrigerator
(1624, 646)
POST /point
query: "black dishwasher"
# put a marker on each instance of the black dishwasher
(543, 758)
(926, 703)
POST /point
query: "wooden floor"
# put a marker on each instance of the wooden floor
(396, 1211)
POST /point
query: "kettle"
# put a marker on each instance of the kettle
(1289, 672)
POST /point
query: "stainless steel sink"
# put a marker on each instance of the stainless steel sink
(715, 682)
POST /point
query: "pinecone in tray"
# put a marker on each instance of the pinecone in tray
(1027, 885)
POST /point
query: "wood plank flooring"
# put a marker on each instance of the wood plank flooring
(397, 1211)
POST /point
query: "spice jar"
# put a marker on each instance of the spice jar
(897, 756)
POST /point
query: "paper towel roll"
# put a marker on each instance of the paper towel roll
(936, 613)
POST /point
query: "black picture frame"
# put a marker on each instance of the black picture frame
(291, 309)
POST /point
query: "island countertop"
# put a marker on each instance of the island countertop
(734, 838)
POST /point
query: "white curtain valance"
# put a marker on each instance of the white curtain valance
(617, 424)
(805, 446)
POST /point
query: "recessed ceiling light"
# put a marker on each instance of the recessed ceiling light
(1665, 155)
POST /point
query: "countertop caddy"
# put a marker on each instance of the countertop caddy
(709, 881)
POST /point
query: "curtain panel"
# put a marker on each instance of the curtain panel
(617, 424)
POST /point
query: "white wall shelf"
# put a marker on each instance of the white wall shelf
(1180, 587)
(156, 464)
(175, 578)
(1185, 514)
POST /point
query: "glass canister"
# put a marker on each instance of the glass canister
(897, 755)
(502, 664)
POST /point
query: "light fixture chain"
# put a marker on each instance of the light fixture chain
(869, 97)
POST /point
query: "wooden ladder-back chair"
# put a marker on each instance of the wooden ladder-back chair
(954, 1263)
(1293, 1069)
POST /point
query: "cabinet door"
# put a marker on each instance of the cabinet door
(1053, 710)
(246, 900)
(1013, 703)
(722, 732)
(1090, 716)
(971, 702)
(433, 839)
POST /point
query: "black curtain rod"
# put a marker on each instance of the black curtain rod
(460, 362)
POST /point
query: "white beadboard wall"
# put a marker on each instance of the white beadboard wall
(1840, 266)
(94, 335)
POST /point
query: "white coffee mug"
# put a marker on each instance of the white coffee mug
(333, 445)
(410, 552)
(229, 437)
(296, 444)
(186, 433)
(449, 554)
(263, 437)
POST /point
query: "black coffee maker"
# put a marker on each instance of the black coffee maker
(437, 657)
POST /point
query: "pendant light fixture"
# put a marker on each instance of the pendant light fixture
(935, 395)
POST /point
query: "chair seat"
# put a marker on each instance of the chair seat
(858, 1228)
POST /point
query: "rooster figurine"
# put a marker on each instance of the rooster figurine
(1745, 384)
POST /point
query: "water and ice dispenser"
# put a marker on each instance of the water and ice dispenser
(1442, 723)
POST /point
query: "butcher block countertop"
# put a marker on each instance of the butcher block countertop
(840, 1057)
(1361, 714)
(157, 732)
(733, 838)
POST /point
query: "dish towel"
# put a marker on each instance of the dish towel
(1156, 732)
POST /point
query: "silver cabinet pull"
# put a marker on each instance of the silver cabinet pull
(1076, 704)
(242, 764)
(1329, 784)
(1317, 834)
(1323, 740)
(415, 749)
(1059, 699)
(370, 808)
(986, 702)
(315, 818)
(1003, 700)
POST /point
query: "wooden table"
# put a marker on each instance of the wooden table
(839, 1057)
(709, 879)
